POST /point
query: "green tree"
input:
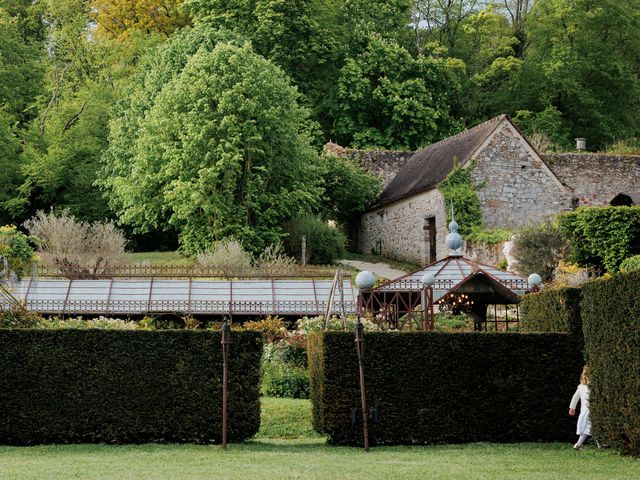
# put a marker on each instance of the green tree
(489, 71)
(21, 75)
(66, 141)
(120, 18)
(388, 99)
(211, 140)
(583, 60)
(9, 166)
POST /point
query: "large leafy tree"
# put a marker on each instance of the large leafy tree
(583, 60)
(66, 141)
(21, 82)
(211, 141)
(120, 18)
(389, 99)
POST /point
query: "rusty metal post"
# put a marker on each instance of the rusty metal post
(359, 338)
(433, 315)
(225, 341)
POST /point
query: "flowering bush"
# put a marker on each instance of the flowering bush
(308, 325)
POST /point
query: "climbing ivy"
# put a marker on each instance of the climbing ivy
(458, 189)
(602, 237)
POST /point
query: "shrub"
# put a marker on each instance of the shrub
(630, 264)
(308, 325)
(285, 381)
(16, 253)
(446, 322)
(539, 249)
(432, 387)
(325, 244)
(228, 254)
(78, 249)
(602, 237)
(552, 310)
(273, 328)
(611, 318)
(69, 386)
(273, 260)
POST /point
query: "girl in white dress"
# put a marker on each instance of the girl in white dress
(584, 420)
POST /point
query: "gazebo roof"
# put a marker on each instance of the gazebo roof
(451, 273)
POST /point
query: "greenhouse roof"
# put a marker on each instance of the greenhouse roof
(187, 296)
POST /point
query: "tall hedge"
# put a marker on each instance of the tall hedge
(552, 310)
(67, 386)
(431, 387)
(602, 237)
(611, 316)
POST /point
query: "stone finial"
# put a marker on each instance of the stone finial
(454, 239)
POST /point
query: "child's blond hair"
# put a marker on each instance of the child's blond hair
(584, 376)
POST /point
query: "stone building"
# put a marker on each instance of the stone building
(516, 187)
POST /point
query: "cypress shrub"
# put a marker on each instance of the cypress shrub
(431, 387)
(552, 310)
(611, 316)
(68, 386)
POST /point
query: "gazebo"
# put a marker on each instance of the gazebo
(455, 283)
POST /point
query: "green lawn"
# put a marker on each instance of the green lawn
(269, 456)
(160, 258)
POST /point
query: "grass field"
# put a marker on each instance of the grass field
(307, 456)
(160, 258)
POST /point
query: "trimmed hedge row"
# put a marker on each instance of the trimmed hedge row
(431, 387)
(68, 386)
(553, 310)
(611, 316)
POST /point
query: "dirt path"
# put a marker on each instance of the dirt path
(380, 269)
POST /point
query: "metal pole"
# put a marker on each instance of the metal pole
(303, 249)
(359, 333)
(225, 341)
(433, 315)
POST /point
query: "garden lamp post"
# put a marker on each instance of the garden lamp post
(428, 280)
(359, 338)
(225, 341)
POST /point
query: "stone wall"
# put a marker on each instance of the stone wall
(397, 230)
(516, 187)
(595, 179)
(384, 164)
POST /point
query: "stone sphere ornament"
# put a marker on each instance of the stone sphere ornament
(534, 280)
(365, 280)
(428, 279)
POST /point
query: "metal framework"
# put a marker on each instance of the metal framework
(405, 303)
(190, 296)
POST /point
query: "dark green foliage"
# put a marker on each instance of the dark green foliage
(388, 99)
(348, 189)
(539, 249)
(325, 244)
(71, 386)
(446, 387)
(582, 60)
(602, 237)
(611, 318)
(552, 310)
(458, 190)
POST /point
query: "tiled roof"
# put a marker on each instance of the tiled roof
(430, 166)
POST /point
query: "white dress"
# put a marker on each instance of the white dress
(584, 420)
